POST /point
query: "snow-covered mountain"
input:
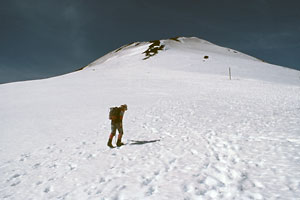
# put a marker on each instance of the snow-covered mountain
(191, 132)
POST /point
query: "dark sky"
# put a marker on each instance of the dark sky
(45, 38)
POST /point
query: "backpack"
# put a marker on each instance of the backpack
(114, 113)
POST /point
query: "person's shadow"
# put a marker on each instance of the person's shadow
(137, 142)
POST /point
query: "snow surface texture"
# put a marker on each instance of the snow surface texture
(190, 132)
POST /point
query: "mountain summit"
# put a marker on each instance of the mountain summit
(152, 48)
(195, 55)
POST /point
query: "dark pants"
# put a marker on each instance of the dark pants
(115, 126)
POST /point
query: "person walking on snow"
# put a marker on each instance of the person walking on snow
(116, 116)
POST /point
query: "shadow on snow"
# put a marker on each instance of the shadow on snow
(136, 142)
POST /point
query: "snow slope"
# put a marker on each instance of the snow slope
(191, 133)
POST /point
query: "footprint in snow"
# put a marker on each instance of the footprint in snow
(194, 152)
(150, 191)
(24, 157)
(48, 189)
(72, 166)
(13, 177)
(16, 183)
(38, 183)
(37, 165)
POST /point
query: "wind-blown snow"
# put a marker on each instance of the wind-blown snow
(190, 132)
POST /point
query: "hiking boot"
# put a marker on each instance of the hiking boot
(119, 143)
(109, 143)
